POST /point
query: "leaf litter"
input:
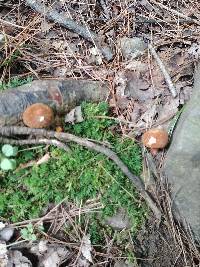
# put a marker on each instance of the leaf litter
(142, 96)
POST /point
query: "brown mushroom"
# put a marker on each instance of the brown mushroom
(38, 116)
(155, 139)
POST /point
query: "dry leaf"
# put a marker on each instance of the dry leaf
(59, 129)
(31, 163)
(97, 56)
(168, 110)
(194, 50)
(43, 159)
(57, 44)
(147, 117)
(61, 72)
(136, 113)
(45, 26)
(137, 87)
(86, 248)
(74, 116)
(120, 82)
(54, 257)
(136, 65)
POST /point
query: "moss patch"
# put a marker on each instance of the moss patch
(80, 175)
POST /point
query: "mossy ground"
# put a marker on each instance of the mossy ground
(14, 82)
(79, 175)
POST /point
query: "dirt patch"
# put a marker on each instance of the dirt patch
(156, 248)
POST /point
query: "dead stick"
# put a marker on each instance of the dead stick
(178, 14)
(70, 24)
(15, 130)
(53, 142)
(162, 67)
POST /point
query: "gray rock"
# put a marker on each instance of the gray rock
(49, 255)
(16, 259)
(131, 47)
(182, 165)
(6, 233)
(119, 221)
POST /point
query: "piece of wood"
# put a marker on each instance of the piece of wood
(61, 95)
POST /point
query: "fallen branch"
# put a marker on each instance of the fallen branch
(178, 14)
(162, 67)
(71, 25)
(52, 142)
(15, 130)
(61, 95)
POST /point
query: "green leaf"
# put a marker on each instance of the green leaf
(27, 233)
(9, 151)
(8, 164)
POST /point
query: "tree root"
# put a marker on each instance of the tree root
(19, 142)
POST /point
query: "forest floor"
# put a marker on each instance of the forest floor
(119, 43)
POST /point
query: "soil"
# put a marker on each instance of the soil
(155, 247)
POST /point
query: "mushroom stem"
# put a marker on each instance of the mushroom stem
(154, 151)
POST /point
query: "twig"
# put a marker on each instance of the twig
(162, 67)
(70, 24)
(52, 142)
(50, 217)
(15, 130)
(105, 9)
(179, 14)
(16, 243)
(11, 24)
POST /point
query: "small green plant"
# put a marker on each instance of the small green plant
(10, 60)
(6, 162)
(27, 233)
(14, 82)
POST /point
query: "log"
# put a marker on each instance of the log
(61, 95)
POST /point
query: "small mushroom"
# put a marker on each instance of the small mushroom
(155, 139)
(38, 116)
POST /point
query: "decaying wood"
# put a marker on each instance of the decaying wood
(61, 95)
(11, 131)
(71, 25)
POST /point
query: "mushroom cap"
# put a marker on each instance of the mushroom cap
(155, 138)
(38, 116)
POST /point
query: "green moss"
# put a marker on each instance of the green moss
(14, 82)
(78, 176)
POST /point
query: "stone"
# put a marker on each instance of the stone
(182, 163)
(16, 259)
(119, 221)
(131, 47)
(6, 233)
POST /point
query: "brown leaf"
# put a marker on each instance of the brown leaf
(45, 26)
(137, 87)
